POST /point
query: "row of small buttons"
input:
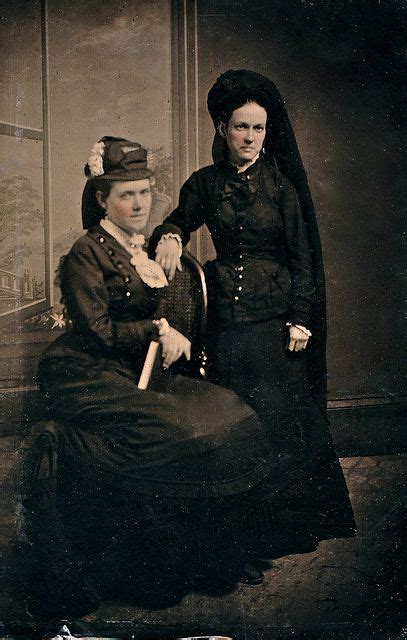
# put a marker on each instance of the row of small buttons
(119, 265)
(109, 251)
(240, 276)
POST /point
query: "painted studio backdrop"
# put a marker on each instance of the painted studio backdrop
(74, 71)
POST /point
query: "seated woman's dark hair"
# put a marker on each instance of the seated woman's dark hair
(92, 212)
(104, 185)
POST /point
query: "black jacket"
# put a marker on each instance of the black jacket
(109, 306)
(263, 266)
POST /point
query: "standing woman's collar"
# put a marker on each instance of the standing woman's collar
(236, 166)
(251, 172)
(240, 189)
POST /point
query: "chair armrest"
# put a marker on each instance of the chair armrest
(184, 305)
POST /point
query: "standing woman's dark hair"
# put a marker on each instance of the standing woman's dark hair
(231, 90)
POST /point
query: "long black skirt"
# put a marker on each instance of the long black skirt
(311, 498)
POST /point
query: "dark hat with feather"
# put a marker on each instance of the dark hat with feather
(111, 159)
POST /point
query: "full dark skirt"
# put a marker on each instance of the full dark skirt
(150, 495)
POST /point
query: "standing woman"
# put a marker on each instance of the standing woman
(266, 335)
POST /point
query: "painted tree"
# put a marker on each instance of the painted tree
(162, 165)
(19, 218)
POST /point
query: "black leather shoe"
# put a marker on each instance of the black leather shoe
(251, 577)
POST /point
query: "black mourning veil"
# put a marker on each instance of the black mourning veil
(281, 149)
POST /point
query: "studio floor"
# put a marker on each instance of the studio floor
(347, 589)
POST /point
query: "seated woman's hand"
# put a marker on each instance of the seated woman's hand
(298, 338)
(167, 256)
(174, 345)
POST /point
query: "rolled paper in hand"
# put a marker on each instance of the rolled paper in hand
(148, 364)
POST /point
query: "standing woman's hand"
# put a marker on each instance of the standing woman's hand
(298, 338)
(167, 254)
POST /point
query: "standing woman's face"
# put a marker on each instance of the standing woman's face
(245, 133)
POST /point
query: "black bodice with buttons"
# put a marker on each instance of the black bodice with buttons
(129, 297)
(250, 250)
(110, 307)
(263, 267)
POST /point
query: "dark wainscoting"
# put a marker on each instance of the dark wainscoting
(360, 426)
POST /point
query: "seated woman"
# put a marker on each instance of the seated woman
(131, 489)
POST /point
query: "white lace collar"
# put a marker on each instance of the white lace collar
(149, 271)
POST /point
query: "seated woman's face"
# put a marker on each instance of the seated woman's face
(128, 204)
(245, 132)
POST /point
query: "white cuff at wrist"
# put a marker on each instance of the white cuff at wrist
(300, 327)
(176, 237)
